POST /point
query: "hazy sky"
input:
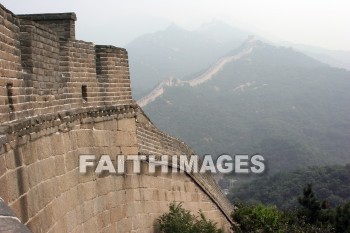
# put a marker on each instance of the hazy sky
(324, 23)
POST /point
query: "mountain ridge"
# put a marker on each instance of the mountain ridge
(176, 52)
(246, 48)
(277, 102)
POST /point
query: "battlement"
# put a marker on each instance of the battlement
(62, 24)
(45, 70)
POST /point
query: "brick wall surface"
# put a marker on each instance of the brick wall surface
(60, 98)
(151, 141)
(39, 176)
(112, 67)
(10, 63)
(47, 68)
(78, 67)
(40, 64)
(62, 24)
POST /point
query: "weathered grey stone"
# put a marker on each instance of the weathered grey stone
(9, 223)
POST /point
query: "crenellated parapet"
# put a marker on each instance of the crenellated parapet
(62, 24)
(112, 68)
(45, 70)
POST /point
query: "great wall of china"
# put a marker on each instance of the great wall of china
(60, 98)
(207, 75)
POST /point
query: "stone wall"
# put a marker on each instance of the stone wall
(61, 98)
(78, 67)
(151, 141)
(40, 63)
(62, 24)
(112, 67)
(46, 69)
(40, 179)
(10, 65)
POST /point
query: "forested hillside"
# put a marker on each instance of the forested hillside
(330, 183)
(277, 102)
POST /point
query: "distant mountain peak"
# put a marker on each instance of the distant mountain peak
(215, 23)
(252, 42)
(174, 27)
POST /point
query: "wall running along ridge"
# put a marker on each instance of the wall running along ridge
(60, 98)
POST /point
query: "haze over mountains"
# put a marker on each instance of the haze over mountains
(275, 101)
(223, 91)
(178, 53)
(272, 100)
(335, 58)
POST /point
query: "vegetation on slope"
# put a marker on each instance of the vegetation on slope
(180, 220)
(312, 215)
(277, 102)
(331, 183)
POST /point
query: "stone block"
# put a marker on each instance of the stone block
(102, 138)
(71, 220)
(112, 201)
(71, 161)
(10, 160)
(127, 124)
(13, 187)
(88, 210)
(68, 180)
(100, 204)
(121, 197)
(131, 182)
(118, 213)
(60, 167)
(44, 148)
(103, 220)
(58, 148)
(122, 138)
(129, 150)
(102, 186)
(106, 125)
(2, 165)
(73, 198)
(85, 138)
(124, 225)
(90, 226)
(89, 190)
(30, 153)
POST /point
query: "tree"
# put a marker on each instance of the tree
(180, 220)
(342, 219)
(259, 218)
(311, 204)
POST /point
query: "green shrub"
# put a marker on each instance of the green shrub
(342, 218)
(259, 218)
(203, 225)
(180, 220)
